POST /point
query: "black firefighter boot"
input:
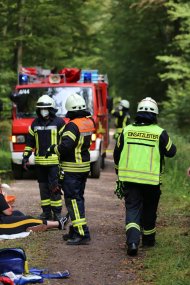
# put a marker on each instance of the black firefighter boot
(78, 240)
(70, 234)
(46, 214)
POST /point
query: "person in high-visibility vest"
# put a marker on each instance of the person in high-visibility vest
(43, 132)
(122, 117)
(139, 158)
(74, 158)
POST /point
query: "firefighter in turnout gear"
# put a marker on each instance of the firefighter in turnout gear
(45, 131)
(74, 154)
(122, 117)
(139, 159)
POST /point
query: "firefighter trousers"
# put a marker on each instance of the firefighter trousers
(73, 187)
(141, 203)
(47, 177)
(17, 223)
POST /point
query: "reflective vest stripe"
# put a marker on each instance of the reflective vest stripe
(37, 144)
(54, 136)
(125, 122)
(46, 161)
(169, 144)
(140, 157)
(78, 156)
(28, 148)
(69, 134)
(75, 167)
(31, 131)
(61, 130)
(44, 128)
(119, 130)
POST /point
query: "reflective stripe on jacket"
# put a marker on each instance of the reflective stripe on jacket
(42, 134)
(75, 143)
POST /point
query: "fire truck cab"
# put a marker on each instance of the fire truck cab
(35, 82)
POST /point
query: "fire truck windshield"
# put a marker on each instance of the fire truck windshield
(26, 98)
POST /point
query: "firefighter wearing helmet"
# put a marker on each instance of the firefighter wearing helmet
(122, 117)
(138, 156)
(74, 155)
(43, 132)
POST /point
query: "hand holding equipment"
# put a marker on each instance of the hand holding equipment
(25, 163)
(119, 189)
(50, 150)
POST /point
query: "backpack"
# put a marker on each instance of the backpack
(13, 259)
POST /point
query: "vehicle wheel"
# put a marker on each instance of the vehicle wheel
(95, 168)
(103, 161)
(17, 171)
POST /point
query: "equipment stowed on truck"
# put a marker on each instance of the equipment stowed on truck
(35, 82)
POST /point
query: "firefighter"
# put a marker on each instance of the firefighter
(139, 159)
(122, 117)
(74, 154)
(45, 131)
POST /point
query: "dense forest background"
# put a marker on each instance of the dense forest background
(143, 46)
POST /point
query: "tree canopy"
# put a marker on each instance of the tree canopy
(142, 45)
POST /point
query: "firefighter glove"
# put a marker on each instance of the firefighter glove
(50, 150)
(119, 191)
(25, 163)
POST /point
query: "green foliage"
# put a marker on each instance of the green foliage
(5, 155)
(177, 64)
(49, 34)
(137, 36)
(169, 263)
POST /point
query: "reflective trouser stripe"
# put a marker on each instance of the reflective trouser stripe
(149, 232)
(46, 202)
(78, 221)
(132, 225)
(57, 203)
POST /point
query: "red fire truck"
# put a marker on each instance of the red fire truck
(35, 82)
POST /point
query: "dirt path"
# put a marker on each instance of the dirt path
(104, 261)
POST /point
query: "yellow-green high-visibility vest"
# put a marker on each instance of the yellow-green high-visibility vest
(140, 157)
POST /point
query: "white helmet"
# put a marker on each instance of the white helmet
(148, 105)
(75, 102)
(125, 104)
(45, 102)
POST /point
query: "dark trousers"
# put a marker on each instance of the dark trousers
(17, 223)
(141, 202)
(47, 177)
(73, 187)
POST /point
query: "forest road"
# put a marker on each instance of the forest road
(104, 261)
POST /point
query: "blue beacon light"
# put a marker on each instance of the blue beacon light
(87, 77)
(23, 79)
